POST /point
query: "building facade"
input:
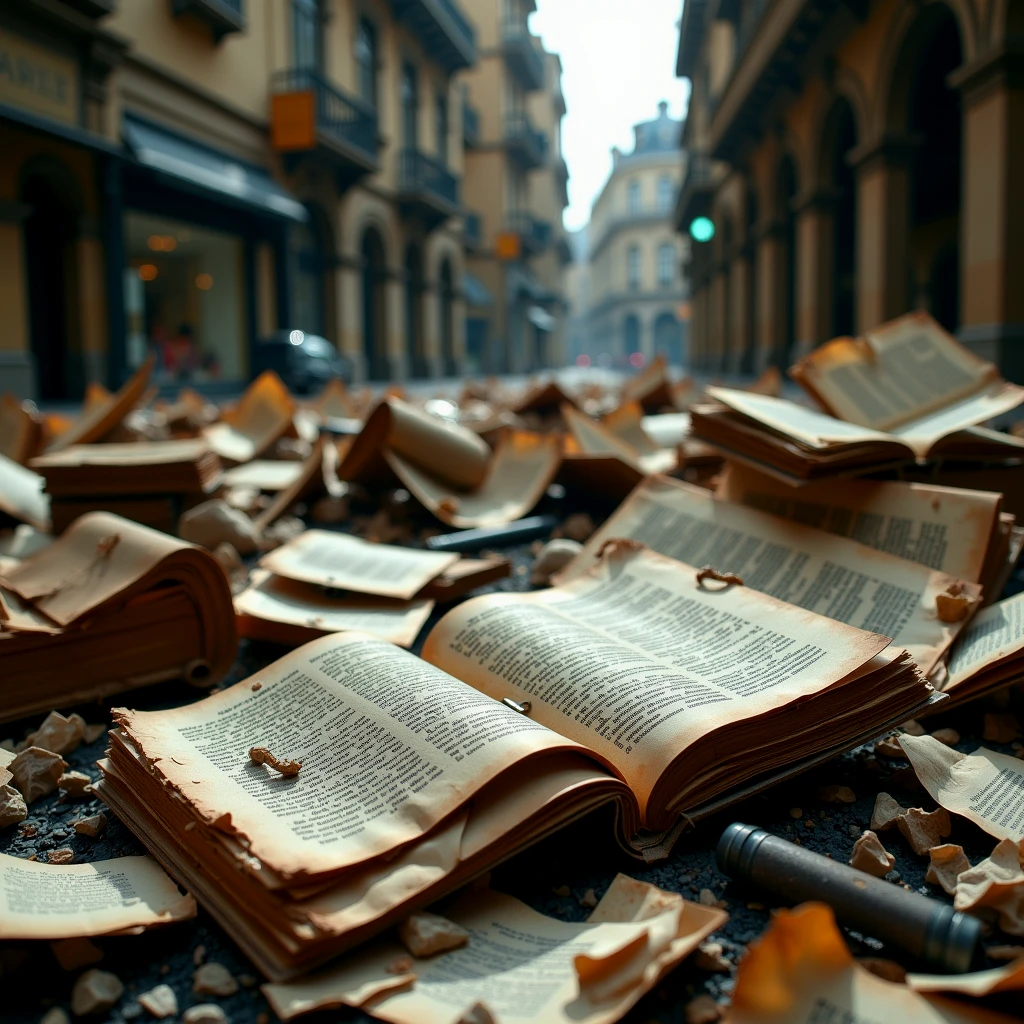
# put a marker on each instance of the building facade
(184, 177)
(514, 193)
(857, 160)
(637, 291)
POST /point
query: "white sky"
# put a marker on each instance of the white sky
(618, 61)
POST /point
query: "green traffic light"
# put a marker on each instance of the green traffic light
(702, 229)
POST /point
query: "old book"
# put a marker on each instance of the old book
(828, 574)
(264, 414)
(110, 606)
(525, 712)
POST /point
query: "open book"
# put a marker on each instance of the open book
(264, 414)
(635, 684)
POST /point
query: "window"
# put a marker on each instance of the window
(441, 126)
(307, 50)
(633, 266)
(633, 196)
(665, 193)
(366, 61)
(184, 287)
(666, 264)
(410, 107)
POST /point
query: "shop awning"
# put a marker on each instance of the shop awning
(475, 291)
(69, 133)
(196, 167)
(541, 319)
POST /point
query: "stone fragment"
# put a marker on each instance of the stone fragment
(913, 727)
(708, 899)
(588, 899)
(870, 856)
(796, 813)
(1001, 727)
(426, 934)
(55, 1016)
(73, 954)
(160, 1002)
(924, 829)
(12, 807)
(58, 734)
(198, 954)
(91, 826)
(579, 526)
(75, 785)
(95, 992)
(36, 772)
(709, 958)
(65, 855)
(216, 522)
(562, 890)
(204, 1013)
(887, 970)
(478, 1013)
(230, 561)
(996, 882)
(213, 979)
(889, 747)
(948, 736)
(93, 733)
(702, 1009)
(947, 862)
(837, 795)
(554, 556)
(886, 813)
(329, 510)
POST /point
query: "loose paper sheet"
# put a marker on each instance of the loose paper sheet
(264, 474)
(594, 438)
(65, 901)
(22, 496)
(261, 418)
(945, 528)
(977, 984)
(995, 634)
(521, 469)
(801, 972)
(521, 965)
(344, 562)
(985, 787)
(830, 575)
(276, 599)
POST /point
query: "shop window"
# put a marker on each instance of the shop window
(633, 196)
(666, 264)
(633, 267)
(307, 46)
(665, 194)
(185, 299)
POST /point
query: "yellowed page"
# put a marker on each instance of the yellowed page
(389, 747)
(978, 983)
(995, 634)
(276, 599)
(985, 787)
(22, 496)
(830, 575)
(65, 901)
(148, 453)
(945, 528)
(620, 660)
(523, 466)
(264, 474)
(924, 432)
(521, 965)
(262, 417)
(344, 562)
(626, 423)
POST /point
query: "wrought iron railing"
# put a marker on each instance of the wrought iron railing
(470, 123)
(420, 173)
(515, 32)
(518, 129)
(536, 234)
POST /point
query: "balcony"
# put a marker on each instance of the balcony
(472, 231)
(309, 114)
(518, 45)
(221, 16)
(443, 29)
(470, 125)
(426, 188)
(524, 142)
(534, 235)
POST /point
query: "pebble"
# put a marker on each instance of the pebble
(214, 979)
(588, 899)
(36, 772)
(12, 807)
(948, 736)
(91, 826)
(796, 812)
(555, 555)
(74, 784)
(871, 857)
(55, 1016)
(204, 1013)
(160, 1001)
(426, 934)
(709, 958)
(65, 855)
(562, 890)
(837, 795)
(579, 526)
(215, 522)
(95, 992)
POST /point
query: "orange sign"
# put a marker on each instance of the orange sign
(507, 246)
(293, 121)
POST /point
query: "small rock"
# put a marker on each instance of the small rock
(702, 1009)
(562, 890)
(213, 979)
(36, 772)
(923, 830)
(95, 992)
(1000, 727)
(887, 970)
(870, 856)
(75, 785)
(93, 733)
(426, 934)
(912, 727)
(478, 1013)
(554, 556)
(204, 1013)
(216, 522)
(948, 736)
(890, 747)
(796, 813)
(160, 1001)
(55, 1016)
(58, 734)
(91, 826)
(886, 813)
(837, 795)
(199, 953)
(579, 526)
(947, 861)
(708, 899)
(709, 958)
(73, 954)
(329, 510)
(12, 807)
(588, 899)
(65, 855)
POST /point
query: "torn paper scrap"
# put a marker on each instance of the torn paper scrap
(977, 984)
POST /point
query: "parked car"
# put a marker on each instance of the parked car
(305, 362)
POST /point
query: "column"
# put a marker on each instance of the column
(769, 338)
(432, 329)
(739, 296)
(348, 283)
(92, 306)
(813, 272)
(394, 325)
(17, 367)
(992, 211)
(715, 355)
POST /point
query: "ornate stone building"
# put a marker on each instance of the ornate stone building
(857, 160)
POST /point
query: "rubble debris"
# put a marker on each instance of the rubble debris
(796, 813)
(837, 795)
(260, 755)
(702, 1009)
(198, 954)
(75, 785)
(281, 531)
(1001, 727)
(160, 1002)
(73, 954)
(588, 899)
(215, 522)
(924, 829)
(426, 934)
(709, 957)
(554, 556)
(65, 855)
(204, 1013)
(58, 734)
(95, 992)
(996, 882)
(579, 526)
(91, 826)
(871, 857)
(36, 772)
(886, 813)
(708, 899)
(213, 979)
(890, 747)
(230, 561)
(562, 890)
(947, 862)
(950, 737)
(12, 807)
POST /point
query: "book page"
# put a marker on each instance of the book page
(343, 562)
(594, 438)
(263, 416)
(22, 496)
(985, 787)
(264, 474)
(138, 453)
(521, 965)
(830, 575)
(994, 634)
(523, 466)
(65, 901)
(276, 599)
(627, 423)
(635, 660)
(389, 747)
(946, 528)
